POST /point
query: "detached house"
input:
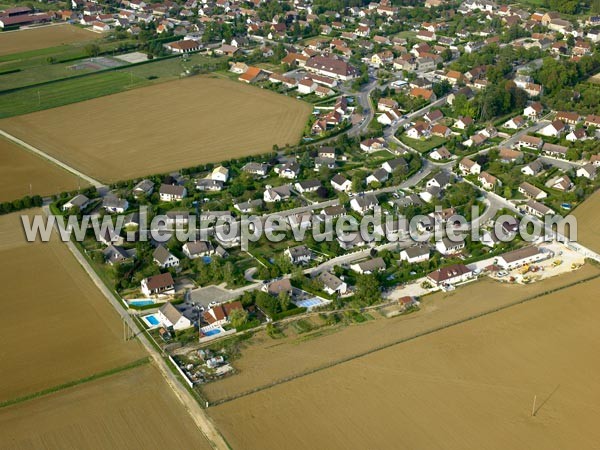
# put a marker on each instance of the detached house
(453, 274)
(537, 209)
(164, 258)
(332, 284)
(341, 183)
(531, 191)
(197, 249)
(533, 168)
(172, 193)
(170, 317)
(588, 171)
(415, 255)
(488, 181)
(298, 255)
(79, 201)
(364, 203)
(158, 284)
(369, 266)
(469, 167)
(555, 129)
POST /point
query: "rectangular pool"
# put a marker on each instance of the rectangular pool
(151, 320)
(140, 302)
(212, 332)
(310, 303)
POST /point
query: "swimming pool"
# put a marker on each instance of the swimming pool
(206, 259)
(151, 320)
(212, 332)
(310, 303)
(140, 302)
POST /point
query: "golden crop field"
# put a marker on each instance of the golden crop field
(265, 360)
(588, 232)
(132, 409)
(21, 170)
(57, 326)
(164, 127)
(44, 37)
(468, 386)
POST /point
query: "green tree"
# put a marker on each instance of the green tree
(238, 317)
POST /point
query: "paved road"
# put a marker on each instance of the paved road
(53, 160)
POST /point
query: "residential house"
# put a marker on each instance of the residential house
(515, 123)
(469, 167)
(114, 254)
(341, 183)
(277, 194)
(532, 191)
(379, 176)
(533, 168)
(277, 287)
(555, 129)
(415, 254)
(288, 170)
(80, 201)
(576, 135)
(298, 255)
(369, 266)
(219, 315)
(364, 203)
(488, 181)
(532, 142)
(448, 247)
(249, 206)
(463, 123)
(372, 145)
(440, 154)
(588, 171)
(197, 249)
(307, 186)
(172, 193)
(164, 258)
(332, 284)
(456, 273)
(255, 168)
(537, 209)
(170, 317)
(113, 204)
(533, 111)
(562, 183)
(158, 284)
(554, 150)
(144, 187)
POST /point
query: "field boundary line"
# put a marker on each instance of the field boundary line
(396, 342)
(52, 159)
(77, 382)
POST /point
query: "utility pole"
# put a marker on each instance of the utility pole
(533, 407)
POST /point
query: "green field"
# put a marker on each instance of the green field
(423, 146)
(36, 98)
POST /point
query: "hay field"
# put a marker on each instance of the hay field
(469, 386)
(19, 169)
(133, 409)
(44, 37)
(163, 127)
(265, 360)
(56, 325)
(587, 214)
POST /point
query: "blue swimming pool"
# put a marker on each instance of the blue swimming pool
(212, 332)
(152, 320)
(141, 302)
(206, 259)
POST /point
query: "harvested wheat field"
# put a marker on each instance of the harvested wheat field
(56, 325)
(164, 127)
(265, 360)
(588, 232)
(44, 37)
(468, 386)
(132, 409)
(20, 170)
